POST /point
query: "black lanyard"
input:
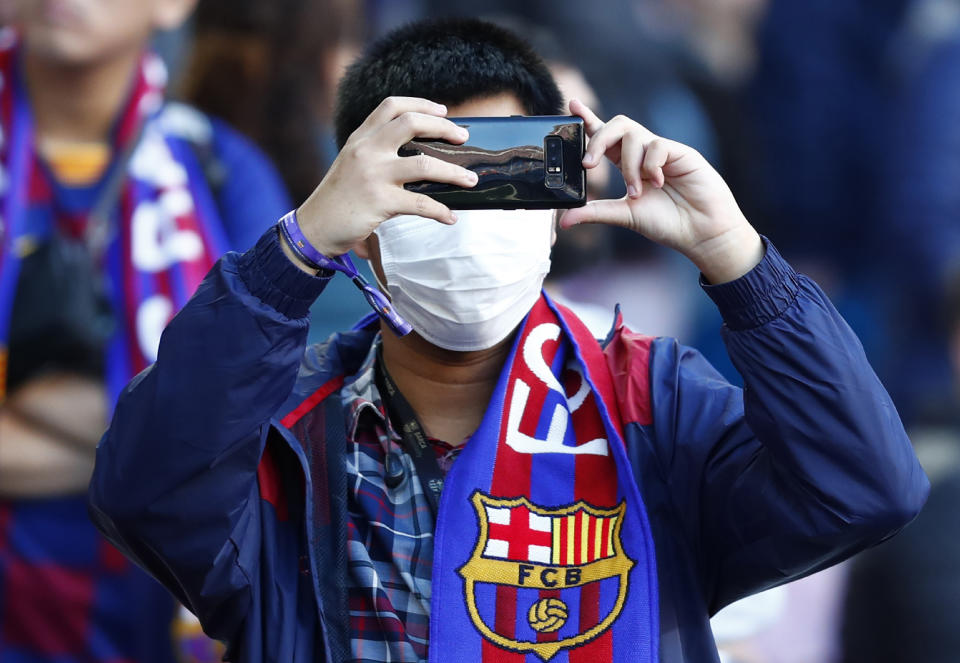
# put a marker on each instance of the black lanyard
(414, 440)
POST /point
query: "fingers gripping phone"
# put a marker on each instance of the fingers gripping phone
(521, 162)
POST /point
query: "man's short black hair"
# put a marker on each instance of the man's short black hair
(448, 61)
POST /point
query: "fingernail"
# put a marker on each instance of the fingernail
(472, 177)
(453, 217)
(441, 108)
(463, 133)
(587, 159)
(632, 191)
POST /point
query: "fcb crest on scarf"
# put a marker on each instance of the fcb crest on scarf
(543, 551)
(555, 551)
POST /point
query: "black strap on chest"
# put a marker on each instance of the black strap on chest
(415, 441)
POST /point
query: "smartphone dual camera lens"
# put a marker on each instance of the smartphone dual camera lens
(553, 162)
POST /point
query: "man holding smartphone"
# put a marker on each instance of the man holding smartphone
(496, 485)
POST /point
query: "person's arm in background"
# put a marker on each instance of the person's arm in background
(810, 463)
(49, 429)
(174, 486)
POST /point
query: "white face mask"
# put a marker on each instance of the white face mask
(466, 286)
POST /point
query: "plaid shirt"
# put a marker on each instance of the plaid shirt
(389, 532)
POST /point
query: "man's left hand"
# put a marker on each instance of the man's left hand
(674, 197)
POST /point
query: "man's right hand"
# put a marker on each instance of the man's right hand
(364, 186)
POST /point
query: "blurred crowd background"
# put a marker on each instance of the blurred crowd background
(836, 124)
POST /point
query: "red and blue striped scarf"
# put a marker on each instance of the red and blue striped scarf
(543, 551)
(165, 230)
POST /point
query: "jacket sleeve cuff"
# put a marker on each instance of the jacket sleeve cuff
(273, 279)
(760, 295)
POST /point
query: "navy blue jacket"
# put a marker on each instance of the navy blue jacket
(223, 470)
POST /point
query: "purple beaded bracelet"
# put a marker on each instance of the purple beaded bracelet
(305, 251)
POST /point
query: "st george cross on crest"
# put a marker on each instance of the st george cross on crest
(524, 578)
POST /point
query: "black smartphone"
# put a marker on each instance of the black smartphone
(521, 162)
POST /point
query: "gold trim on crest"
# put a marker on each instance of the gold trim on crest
(537, 575)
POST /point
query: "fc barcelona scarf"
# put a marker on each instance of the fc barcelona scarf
(164, 231)
(543, 550)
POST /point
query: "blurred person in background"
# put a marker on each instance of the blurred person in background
(270, 69)
(854, 104)
(114, 205)
(919, 199)
(903, 598)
